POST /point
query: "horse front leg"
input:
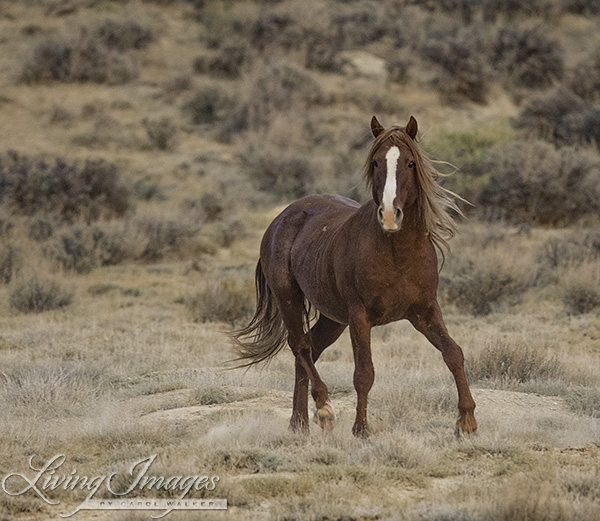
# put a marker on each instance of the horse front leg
(364, 372)
(429, 321)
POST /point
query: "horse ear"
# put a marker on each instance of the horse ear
(412, 128)
(376, 127)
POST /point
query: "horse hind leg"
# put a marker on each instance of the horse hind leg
(291, 304)
(324, 333)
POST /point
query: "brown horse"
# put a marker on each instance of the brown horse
(359, 267)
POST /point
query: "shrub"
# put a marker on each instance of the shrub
(161, 237)
(561, 117)
(465, 73)
(528, 56)
(280, 173)
(209, 207)
(362, 25)
(274, 89)
(549, 115)
(519, 362)
(161, 133)
(95, 56)
(580, 288)
(207, 106)
(511, 9)
(228, 301)
(571, 249)
(227, 63)
(322, 52)
(398, 68)
(41, 229)
(51, 61)
(479, 288)
(585, 77)
(83, 248)
(68, 190)
(125, 35)
(580, 297)
(11, 261)
(36, 296)
(582, 7)
(230, 232)
(146, 190)
(6, 224)
(534, 183)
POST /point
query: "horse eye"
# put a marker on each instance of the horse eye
(411, 164)
(375, 163)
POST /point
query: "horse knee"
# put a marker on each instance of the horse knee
(364, 378)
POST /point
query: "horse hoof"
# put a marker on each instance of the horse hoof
(362, 432)
(466, 425)
(299, 426)
(325, 416)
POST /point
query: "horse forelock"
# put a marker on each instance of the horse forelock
(434, 203)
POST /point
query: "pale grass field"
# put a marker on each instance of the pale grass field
(115, 378)
(125, 371)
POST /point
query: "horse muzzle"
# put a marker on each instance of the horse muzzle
(390, 220)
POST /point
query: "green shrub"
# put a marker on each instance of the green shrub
(36, 296)
(69, 190)
(519, 362)
(228, 301)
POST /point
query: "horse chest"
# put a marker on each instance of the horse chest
(388, 296)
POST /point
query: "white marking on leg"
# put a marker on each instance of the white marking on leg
(389, 190)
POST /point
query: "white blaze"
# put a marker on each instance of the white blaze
(389, 190)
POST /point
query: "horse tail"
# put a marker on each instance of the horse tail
(266, 334)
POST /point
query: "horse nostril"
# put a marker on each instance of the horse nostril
(398, 213)
(380, 214)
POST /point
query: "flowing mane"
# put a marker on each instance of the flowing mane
(434, 203)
